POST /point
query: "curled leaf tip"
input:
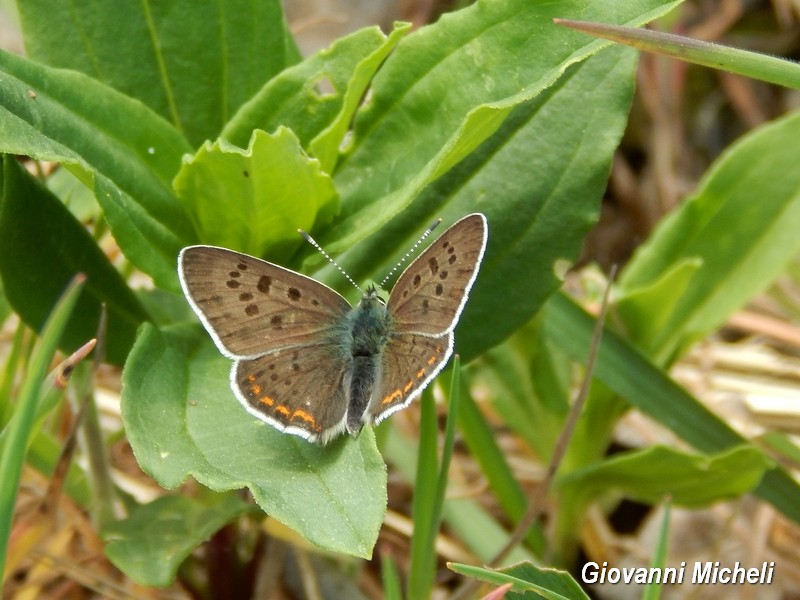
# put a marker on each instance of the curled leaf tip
(63, 371)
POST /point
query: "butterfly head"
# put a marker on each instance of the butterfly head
(372, 297)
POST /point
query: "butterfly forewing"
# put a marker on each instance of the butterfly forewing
(430, 294)
(251, 307)
(409, 363)
(296, 390)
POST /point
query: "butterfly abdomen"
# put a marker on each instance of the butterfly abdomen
(360, 381)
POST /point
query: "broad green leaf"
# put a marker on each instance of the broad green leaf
(628, 373)
(741, 223)
(42, 247)
(194, 63)
(154, 403)
(539, 181)
(327, 144)
(182, 419)
(5, 307)
(254, 200)
(689, 479)
(74, 194)
(449, 86)
(151, 543)
(117, 146)
(528, 579)
(733, 60)
(164, 308)
(317, 97)
(646, 311)
(539, 178)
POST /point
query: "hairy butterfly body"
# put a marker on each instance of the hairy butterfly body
(308, 363)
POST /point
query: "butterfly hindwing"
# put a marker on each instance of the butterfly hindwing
(430, 294)
(409, 363)
(297, 390)
(250, 306)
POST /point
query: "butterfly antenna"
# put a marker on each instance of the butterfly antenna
(314, 243)
(428, 231)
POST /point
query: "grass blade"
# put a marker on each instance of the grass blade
(653, 590)
(21, 424)
(430, 489)
(420, 577)
(742, 62)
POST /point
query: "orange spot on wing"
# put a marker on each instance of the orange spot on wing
(251, 378)
(420, 373)
(266, 400)
(282, 409)
(431, 360)
(408, 387)
(256, 389)
(392, 396)
(301, 414)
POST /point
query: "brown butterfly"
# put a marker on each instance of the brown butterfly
(307, 362)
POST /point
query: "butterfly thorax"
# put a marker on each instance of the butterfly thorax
(369, 325)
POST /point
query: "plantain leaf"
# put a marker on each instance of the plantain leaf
(743, 244)
(42, 247)
(194, 63)
(254, 200)
(115, 145)
(182, 420)
(688, 479)
(151, 543)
